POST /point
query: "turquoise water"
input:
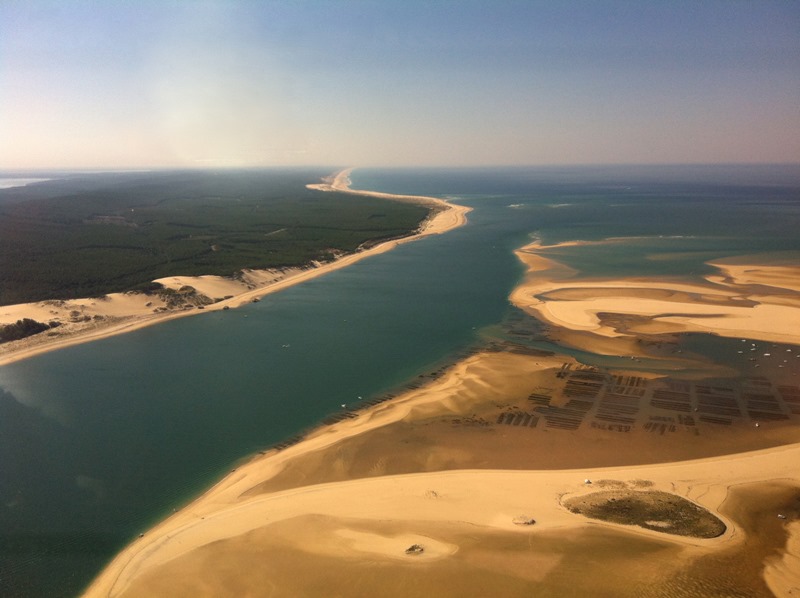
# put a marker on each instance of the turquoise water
(100, 441)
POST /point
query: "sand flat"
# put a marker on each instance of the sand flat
(779, 277)
(727, 305)
(466, 515)
(479, 501)
(782, 571)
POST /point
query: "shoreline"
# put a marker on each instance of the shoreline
(431, 508)
(342, 499)
(481, 500)
(749, 301)
(335, 499)
(120, 313)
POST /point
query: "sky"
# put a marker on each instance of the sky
(160, 83)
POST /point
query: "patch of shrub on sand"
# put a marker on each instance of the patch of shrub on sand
(653, 510)
(22, 329)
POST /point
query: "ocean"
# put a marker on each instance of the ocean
(100, 441)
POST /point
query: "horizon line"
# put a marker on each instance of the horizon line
(172, 168)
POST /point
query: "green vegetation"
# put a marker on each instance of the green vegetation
(88, 235)
(652, 509)
(23, 329)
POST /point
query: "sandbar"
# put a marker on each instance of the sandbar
(753, 301)
(280, 512)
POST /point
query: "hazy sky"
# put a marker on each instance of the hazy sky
(126, 83)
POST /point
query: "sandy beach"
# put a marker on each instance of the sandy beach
(344, 505)
(84, 320)
(444, 215)
(752, 301)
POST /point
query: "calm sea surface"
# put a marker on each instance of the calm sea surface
(100, 441)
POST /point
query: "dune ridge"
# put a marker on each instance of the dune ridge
(88, 319)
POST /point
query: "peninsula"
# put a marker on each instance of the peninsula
(87, 319)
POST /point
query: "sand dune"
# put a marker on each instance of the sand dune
(83, 320)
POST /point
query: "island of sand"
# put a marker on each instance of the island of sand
(517, 472)
(744, 299)
(83, 320)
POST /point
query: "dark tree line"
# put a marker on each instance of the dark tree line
(90, 235)
(23, 329)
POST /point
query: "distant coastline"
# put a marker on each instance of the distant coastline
(89, 319)
(444, 216)
(10, 182)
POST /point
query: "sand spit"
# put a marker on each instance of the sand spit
(434, 510)
(478, 502)
(84, 320)
(752, 301)
(444, 215)
(326, 527)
